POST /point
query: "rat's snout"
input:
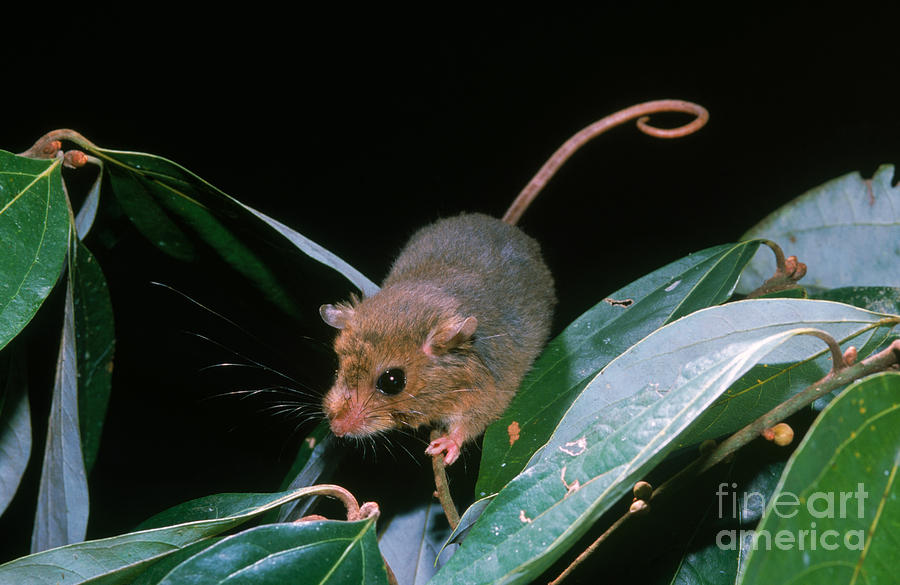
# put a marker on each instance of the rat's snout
(346, 415)
(346, 423)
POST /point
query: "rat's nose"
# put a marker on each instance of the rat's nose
(337, 426)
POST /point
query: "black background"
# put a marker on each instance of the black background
(357, 126)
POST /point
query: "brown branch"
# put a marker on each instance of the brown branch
(579, 139)
(339, 493)
(843, 372)
(50, 143)
(442, 487)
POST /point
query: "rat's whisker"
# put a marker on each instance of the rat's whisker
(493, 336)
(236, 353)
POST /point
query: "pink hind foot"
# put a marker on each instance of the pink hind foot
(444, 445)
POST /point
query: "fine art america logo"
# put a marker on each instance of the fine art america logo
(823, 509)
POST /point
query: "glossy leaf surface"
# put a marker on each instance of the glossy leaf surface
(697, 281)
(119, 559)
(412, 542)
(780, 376)
(716, 553)
(881, 299)
(316, 460)
(164, 187)
(62, 508)
(846, 231)
(277, 554)
(624, 422)
(840, 496)
(15, 424)
(34, 228)
(95, 344)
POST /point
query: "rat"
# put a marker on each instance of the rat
(462, 315)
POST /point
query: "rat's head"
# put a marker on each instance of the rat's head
(400, 353)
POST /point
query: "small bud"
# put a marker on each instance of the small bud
(784, 434)
(50, 148)
(639, 507)
(75, 159)
(369, 510)
(642, 490)
(850, 356)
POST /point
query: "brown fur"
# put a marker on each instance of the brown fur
(468, 266)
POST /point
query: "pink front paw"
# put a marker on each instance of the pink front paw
(444, 445)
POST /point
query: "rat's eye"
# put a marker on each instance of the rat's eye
(391, 381)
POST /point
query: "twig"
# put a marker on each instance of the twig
(339, 493)
(787, 272)
(442, 487)
(842, 373)
(354, 512)
(570, 146)
(50, 143)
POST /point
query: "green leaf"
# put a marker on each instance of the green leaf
(846, 231)
(34, 227)
(717, 551)
(276, 554)
(412, 542)
(838, 513)
(119, 559)
(613, 325)
(881, 299)
(62, 508)
(317, 252)
(157, 571)
(779, 377)
(316, 460)
(95, 343)
(204, 207)
(84, 220)
(135, 195)
(625, 421)
(15, 424)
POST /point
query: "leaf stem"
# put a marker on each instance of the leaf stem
(787, 272)
(842, 373)
(49, 144)
(354, 511)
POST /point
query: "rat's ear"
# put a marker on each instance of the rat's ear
(450, 334)
(336, 316)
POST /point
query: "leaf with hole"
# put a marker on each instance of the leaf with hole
(838, 501)
(627, 420)
(846, 231)
(34, 232)
(697, 281)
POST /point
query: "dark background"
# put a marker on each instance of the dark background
(357, 126)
